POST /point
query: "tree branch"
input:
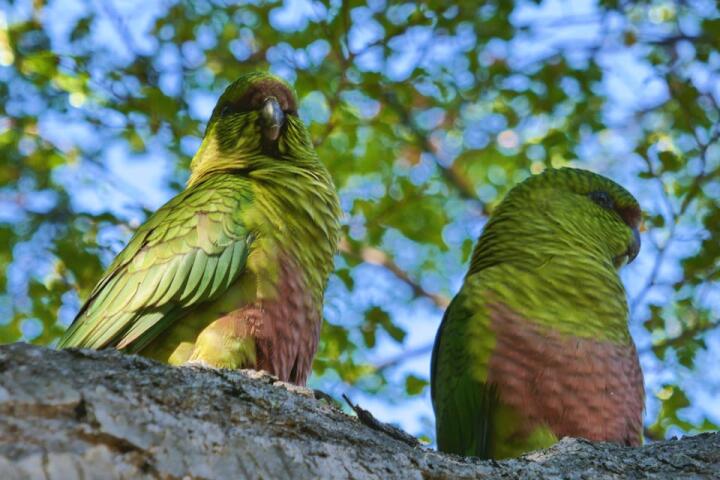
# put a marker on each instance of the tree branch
(80, 414)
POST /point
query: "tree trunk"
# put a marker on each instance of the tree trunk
(82, 414)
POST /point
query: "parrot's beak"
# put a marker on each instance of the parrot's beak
(632, 251)
(273, 118)
(634, 247)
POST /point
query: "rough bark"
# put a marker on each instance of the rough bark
(81, 414)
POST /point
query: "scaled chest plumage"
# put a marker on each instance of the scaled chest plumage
(577, 387)
(289, 266)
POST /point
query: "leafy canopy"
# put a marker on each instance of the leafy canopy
(425, 113)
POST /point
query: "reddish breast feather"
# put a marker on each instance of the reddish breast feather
(577, 387)
(288, 334)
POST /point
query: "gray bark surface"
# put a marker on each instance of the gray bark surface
(82, 414)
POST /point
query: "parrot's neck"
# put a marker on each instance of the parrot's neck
(209, 160)
(303, 216)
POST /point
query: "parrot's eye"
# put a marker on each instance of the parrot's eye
(603, 199)
(256, 95)
(231, 108)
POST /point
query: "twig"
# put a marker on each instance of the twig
(375, 256)
(367, 419)
(687, 334)
(403, 357)
(464, 188)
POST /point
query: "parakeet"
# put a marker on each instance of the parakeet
(535, 346)
(230, 273)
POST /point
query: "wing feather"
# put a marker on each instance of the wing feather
(189, 252)
(464, 405)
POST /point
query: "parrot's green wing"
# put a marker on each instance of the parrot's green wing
(189, 252)
(464, 406)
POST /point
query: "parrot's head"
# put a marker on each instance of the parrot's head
(573, 212)
(258, 102)
(255, 117)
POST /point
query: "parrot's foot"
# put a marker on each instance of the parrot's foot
(197, 364)
(297, 389)
(262, 375)
(269, 378)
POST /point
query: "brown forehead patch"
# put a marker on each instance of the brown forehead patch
(631, 215)
(259, 91)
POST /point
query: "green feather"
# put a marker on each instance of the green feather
(148, 281)
(199, 261)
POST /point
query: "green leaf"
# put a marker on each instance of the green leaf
(670, 162)
(415, 385)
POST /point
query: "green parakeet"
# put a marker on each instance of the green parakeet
(230, 273)
(536, 346)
